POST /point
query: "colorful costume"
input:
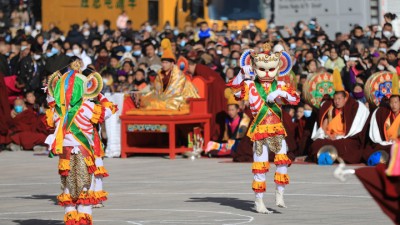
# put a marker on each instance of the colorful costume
(235, 129)
(170, 90)
(266, 96)
(74, 140)
(344, 128)
(384, 123)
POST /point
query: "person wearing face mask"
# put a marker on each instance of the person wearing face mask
(79, 52)
(57, 59)
(31, 70)
(137, 51)
(305, 119)
(384, 125)
(26, 133)
(387, 31)
(383, 65)
(15, 61)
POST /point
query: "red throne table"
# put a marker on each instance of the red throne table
(168, 124)
(198, 113)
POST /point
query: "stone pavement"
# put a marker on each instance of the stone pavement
(156, 190)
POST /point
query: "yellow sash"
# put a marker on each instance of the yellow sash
(391, 132)
(335, 126)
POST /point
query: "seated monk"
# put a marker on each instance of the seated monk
(305, 119)
(236, 125)
(25, 133)
(384, 126)
(340, 123)
(170, 89)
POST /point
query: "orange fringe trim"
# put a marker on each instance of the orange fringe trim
(282, 159)
(90, 164)
(282, 179)
(70, 218)
(100, 196)
(259, 187)
(84, 219)
(260, 167)
(101, 171)
(63, 167)
(65, 199)
(86, 198)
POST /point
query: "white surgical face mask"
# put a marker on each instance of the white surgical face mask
(387, 34)
(308, 32)
(38, 26)
(381, 67)
(76, 52)
(382, 50)
(86, 33)
(219, 52)
(346, 58)
(70, 54)
(36, 57)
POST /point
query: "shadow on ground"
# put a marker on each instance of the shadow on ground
(38, 222)
(41, 197)
(236, 203)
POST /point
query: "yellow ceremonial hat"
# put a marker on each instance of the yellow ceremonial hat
(167, 50)
(337, 81)
(395, 84)
(231, 100)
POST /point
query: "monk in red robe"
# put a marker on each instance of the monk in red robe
(27, 131)
(341, 123)
(216, 98)
(5, 121)
(384, 125)
(305, 119)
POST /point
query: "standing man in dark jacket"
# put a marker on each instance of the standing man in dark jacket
(31, 71)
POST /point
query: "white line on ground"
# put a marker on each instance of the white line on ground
(208, 193)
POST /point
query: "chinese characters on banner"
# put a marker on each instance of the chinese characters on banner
(109, 4)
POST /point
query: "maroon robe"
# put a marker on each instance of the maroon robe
(216, 98)
(349, 149)
(5, 110)
(381, 115)
(304, 128)
(28, 130)
(385, 190)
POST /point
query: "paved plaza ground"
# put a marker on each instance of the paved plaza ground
(155, 190)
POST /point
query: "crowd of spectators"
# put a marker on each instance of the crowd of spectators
(128, 59)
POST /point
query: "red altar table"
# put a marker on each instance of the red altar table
(166, 124)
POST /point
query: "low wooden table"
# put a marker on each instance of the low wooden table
(159, 124)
